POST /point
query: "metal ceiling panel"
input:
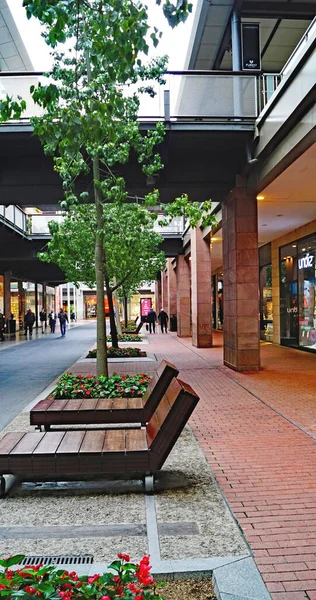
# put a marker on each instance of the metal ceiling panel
(13, 54)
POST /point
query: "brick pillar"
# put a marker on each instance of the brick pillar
(201, 282)
(164, 290)
(183, 275)
(7, 294)
(45, 297)
(241, 280)
(171, 308)
(157, 295)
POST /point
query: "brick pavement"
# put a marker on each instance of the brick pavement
(257, 431)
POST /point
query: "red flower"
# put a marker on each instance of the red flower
(105, 598)
(3, 587)
(79, 584)
(94, 578)
(30, 590)
(125, 557)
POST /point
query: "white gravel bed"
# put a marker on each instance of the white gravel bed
(102, 549)
(199, 501)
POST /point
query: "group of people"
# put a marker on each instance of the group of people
(152, 320)
(29, 321)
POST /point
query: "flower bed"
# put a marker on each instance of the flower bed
(126, 337)
(77, 386)
(123, 580)
(119, 353)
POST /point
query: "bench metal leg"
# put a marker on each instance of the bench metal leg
(46, 427)
(2, 486)
(149, 484)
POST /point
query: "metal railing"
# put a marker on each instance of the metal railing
(14, 217)
(195, 95)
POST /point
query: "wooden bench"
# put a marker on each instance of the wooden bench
(136, 331)
(65, 455)
(105, 410)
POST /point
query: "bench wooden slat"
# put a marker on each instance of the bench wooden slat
(93, 442)
(43, 404)
(9, 441)
(74, 404)
(133, 403)
(136, 440)
(71, 442)
(58, 404)
(28, 443)
(119, 403)
(104, 404)
(49, 443)
(114, 441)
(89, 404)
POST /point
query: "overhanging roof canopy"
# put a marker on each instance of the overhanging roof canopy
(282, 24)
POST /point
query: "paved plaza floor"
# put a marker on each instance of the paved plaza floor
(257, 432)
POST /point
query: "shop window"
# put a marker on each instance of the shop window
(306, 290)
(266, 308)
(289, 295)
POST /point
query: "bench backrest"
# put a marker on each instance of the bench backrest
(168, 421)
(158, 387)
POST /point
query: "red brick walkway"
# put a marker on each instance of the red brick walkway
(257, 432)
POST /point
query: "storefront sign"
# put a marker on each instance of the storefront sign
(145, 306)
(251, 57)
(306, 262)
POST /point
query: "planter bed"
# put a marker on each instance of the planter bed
(126, 352)
(76, 387)
(126, 337)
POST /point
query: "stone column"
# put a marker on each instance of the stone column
(171, 308)
(157, 295)
(44, 296)
(164, 290)
(36, 305)
(201, 282)
(7, 293)
(183, 276)
(241, 280)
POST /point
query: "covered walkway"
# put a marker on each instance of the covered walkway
(257, 431)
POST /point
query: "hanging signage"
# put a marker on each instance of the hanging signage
(145, 306)
(306, 262)
(251, 56)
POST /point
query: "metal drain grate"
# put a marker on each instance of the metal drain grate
(86, 559)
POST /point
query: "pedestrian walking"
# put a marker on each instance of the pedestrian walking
(29, 320)
(52, 321)
(63, 319)
(163, 320)
(73, 317)
(152, 320)
(2, 326)
(43, 319)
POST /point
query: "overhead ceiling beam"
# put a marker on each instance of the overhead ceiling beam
(279, 10)
(226, 37)
(271, 36)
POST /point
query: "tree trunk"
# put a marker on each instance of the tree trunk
(117, 310)
(125, 312)
(102, 364)
(111, 309)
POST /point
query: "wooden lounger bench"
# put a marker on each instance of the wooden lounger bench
(65, 455)
(136, 331)
(105, 410)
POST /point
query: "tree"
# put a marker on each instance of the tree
(130, 249)
(89, 123)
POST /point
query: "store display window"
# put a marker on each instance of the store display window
(297, 293)
(306, 291)
(266, 304)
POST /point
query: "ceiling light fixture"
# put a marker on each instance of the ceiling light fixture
(260, 197)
